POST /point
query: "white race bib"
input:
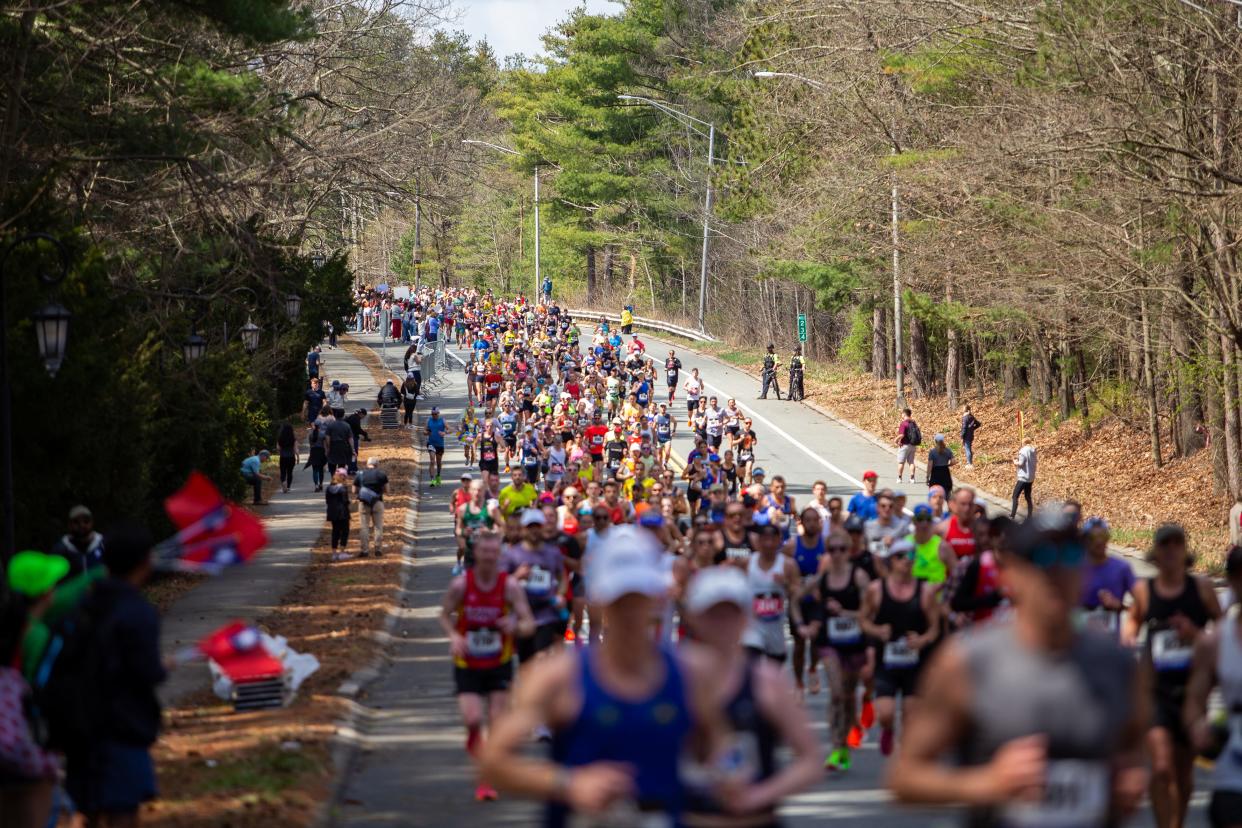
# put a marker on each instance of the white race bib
(898, 655)
(844, 630)
(1076, 795)
(1102, 620)
(539, 581)
(737, 553)
(484, 642)
(1169, 652)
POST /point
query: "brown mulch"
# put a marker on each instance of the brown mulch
(1110, 472)
(260, 769)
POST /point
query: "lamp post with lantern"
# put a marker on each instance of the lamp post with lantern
(51, 323)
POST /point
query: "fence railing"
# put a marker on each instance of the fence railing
(644, 322)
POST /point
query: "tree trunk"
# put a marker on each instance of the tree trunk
(952, 357)
(980, 366)
(608, 272)
(879, 342)
(590, 276)
(1214, 410)
(919, 377)
(1233, 434)
(1041, 368)
(1149, 381)
(1189, 399)
(1080, 370)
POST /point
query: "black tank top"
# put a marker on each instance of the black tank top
(902, 616)
(755, 740)
(1172, 669)
(849, 597)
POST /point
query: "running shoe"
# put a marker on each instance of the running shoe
(485, 793)
(867, 717)
(437, 481)
(886, 741)
(458, 569)
(569, 634)
(833, 762)
(843, 760)
(855, 737)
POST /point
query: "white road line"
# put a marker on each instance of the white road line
(460, 361)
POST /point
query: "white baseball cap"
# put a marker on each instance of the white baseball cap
(532, 517)
(626, 562)
(718, 585)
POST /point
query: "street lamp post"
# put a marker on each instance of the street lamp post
(689, 121)
(894, 218)
(51, 333)
(507, 151)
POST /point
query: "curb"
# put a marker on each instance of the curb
(344, 742)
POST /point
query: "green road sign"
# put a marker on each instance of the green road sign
(802, 327)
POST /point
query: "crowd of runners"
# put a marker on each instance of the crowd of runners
(1012, 668)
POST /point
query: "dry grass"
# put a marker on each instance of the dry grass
(219, 768)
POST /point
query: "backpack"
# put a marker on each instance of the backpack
(69, 703)
(913, 435)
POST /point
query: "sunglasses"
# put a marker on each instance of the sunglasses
(838, 549)
(923, 519)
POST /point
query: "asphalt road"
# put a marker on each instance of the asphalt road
(411, 769)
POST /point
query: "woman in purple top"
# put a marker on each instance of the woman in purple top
(1106, 580)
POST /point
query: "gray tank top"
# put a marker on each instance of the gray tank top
(1080, 700)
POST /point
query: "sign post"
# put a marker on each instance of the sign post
(802, 327)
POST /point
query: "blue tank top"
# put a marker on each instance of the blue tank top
(808, 558)
(648, 734)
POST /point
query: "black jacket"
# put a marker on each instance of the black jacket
(388, 395)
(132, 664)
(337, 498)
(355, 425)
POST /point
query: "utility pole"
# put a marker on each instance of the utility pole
(538, 282)
(418, 238)
(897, 316)
(707, 214)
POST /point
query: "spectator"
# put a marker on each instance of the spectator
(314, 362)
(409, 391)
(336, 400)
(287, 446)
(1025, 463)
(360, 434)
(111, 776)
(27, 773)
(369, 488)
(82, 546)
(252, 472)
(313, 401)
(939, 459)
(969, 426)
(1235, 524)
(338, 443)
(318, 455)
(337, 499)
(908, 440)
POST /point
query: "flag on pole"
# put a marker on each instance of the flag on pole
(212, 533)
(238, 648)
(1021, 429)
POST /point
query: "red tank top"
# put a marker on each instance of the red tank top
(988, 580)
(478, 617)
(962, 540)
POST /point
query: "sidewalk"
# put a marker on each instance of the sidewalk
(294, 522)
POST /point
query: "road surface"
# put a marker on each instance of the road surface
(410, 767)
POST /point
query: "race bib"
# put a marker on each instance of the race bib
(1076, 795)
(488, 454)
(1102, 620)
(484, 642)
(1168, 652)
(898, 655)
(844, 630)
(737, 553)
(539, 581)
(769, 606)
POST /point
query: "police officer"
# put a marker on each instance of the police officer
(770, 364)
(795, 375)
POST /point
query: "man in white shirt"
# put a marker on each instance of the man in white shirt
(1025, 463)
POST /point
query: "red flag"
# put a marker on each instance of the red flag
(236, 541)
(213, 532)
(198, 498)
(238, 649)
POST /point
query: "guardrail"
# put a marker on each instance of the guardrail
(644, 322)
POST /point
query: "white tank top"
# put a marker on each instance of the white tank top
(1228, 773)
(766, 630)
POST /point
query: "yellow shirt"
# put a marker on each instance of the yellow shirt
(513, 500)
(627, 318)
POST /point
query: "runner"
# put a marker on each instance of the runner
(760, 707)
(622, 713)
(837, 634)
(933, 557)
(672, 373)
(473, 516)
(1175, 606)
(956, 529)
(904, 618)
(468, 435)
(775, 586)
(1218, 661)
(1107, 580)
(1042, 725)
(807, 551)
(539, 567)
(481, 612)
